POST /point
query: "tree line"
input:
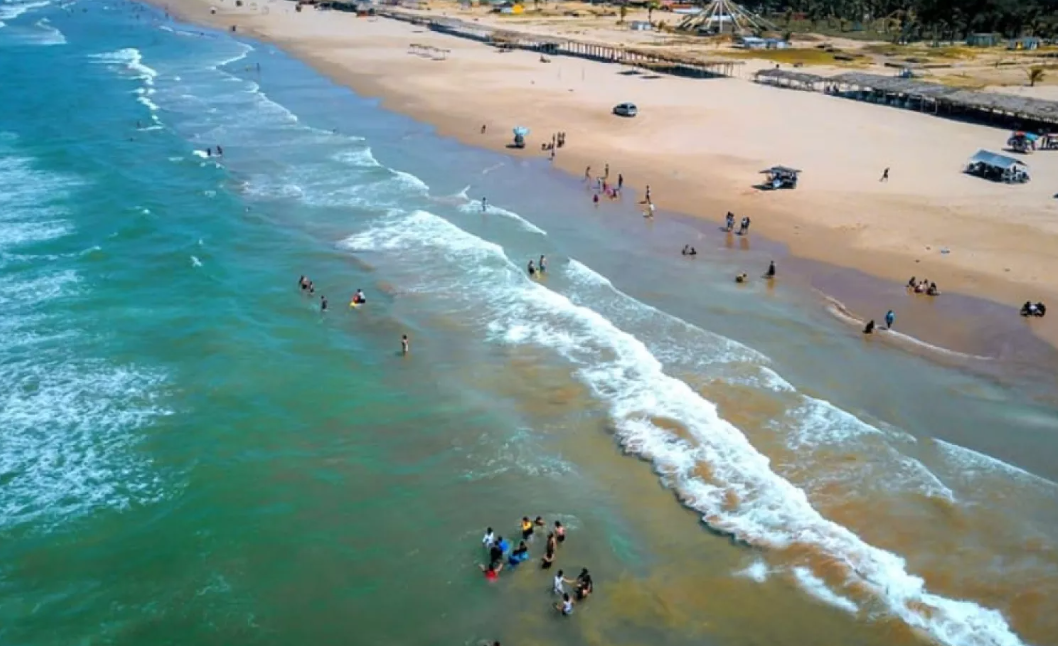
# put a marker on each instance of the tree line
(910, 20)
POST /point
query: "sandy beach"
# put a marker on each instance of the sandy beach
(700, 144)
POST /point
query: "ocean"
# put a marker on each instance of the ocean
(191, 451)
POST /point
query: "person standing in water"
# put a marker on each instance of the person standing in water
(531, 269)
(542, 265)
(484, 205)
(405, 349)
(771, 271)
(323, 303)
(889, 318)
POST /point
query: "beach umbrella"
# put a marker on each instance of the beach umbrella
(520, 131)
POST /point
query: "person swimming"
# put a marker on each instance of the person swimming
(531, 268)
(549, 552)
(527, 527)
(303, 282)
(492, 571)
(359, 298)
(742, 278)
(558, 584)
(565, 606)
(560, 531)
(519, 555)
(584, 585)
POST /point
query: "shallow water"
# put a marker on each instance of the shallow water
(190, 451)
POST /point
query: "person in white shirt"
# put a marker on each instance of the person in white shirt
(489, 539)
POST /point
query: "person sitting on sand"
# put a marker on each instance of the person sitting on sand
(742, 278)
(932, 290)
(869, 329)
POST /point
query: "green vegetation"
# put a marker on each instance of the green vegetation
(916, 20)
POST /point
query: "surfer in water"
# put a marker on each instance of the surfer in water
(531, 269)
(358, 297)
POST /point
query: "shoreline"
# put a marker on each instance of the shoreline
(672, 191)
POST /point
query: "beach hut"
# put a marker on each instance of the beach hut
(998, 168)
(1025, 43)
(982, 40)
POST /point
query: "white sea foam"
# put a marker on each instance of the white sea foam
(816, 587)
(757, 570)
(969, 462)
(68, 421)
(48, 34)
(475, 207)
(11, 10)
(770, 512)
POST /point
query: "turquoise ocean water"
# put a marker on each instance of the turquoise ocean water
(192, 452)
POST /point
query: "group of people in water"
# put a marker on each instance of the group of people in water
(923, 286)
(539, 268)
(1033, 309)
(358, 299)
(500, 556)
(890, 318)
(743, 225)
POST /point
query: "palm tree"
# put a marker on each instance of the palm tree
(1036, 74)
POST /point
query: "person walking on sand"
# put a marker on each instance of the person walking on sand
(404, 344)
(606, 172)
(647, 195)
(889, 318)
(885, 175)
(587, 174)
(620, 181)
(730, 221)
(483, 128)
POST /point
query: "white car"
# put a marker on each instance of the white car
(626, 110)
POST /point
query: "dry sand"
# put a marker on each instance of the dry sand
(699, 144)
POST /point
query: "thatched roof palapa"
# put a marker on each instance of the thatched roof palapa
(796, 77)
(1039, 109)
